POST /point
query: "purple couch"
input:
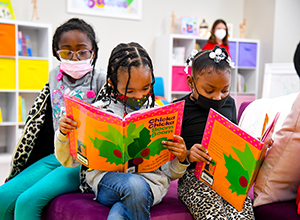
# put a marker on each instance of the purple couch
(274, 211)
(72, 206)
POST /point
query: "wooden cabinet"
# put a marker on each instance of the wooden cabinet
(244, 53)
(20, 76)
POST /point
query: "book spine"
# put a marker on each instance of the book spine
(20, 109)
(24, 113)
(28, 45)
(20, 43)
(24, 49)
(240, 83)
(1, 120)
(243, 84)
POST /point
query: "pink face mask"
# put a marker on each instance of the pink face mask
(76, 69)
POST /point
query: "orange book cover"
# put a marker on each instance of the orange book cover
(236, 158)
(105, 141)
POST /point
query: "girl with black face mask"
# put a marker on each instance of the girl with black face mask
(128, 88)
(210, 82)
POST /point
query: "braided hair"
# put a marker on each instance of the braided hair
(202, 62)
(125, 56)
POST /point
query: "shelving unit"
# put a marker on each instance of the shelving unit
(244, 53)
(20, 76)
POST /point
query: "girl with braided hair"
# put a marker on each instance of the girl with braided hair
(129, 87)
(123, 57)
(25, 195)
(210, 82)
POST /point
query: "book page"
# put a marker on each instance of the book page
(234, 154)
(268, 133)
(143, 150)
(87, 143)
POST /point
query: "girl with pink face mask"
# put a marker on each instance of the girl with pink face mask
(218, 36)
(76, 49)
(74, 45)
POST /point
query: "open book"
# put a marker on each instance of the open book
(105, 141)
(236, 157)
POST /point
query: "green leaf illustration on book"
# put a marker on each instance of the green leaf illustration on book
(129, 2)
(239, 183)
(137, 142)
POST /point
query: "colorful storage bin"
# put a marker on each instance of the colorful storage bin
(179, 83)
(247, 54)
(232, 51)
(33, 74)
(7, 40)
(7, 73)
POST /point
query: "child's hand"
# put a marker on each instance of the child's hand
(67, 125)
(177, 147)
(198, 153)
(271, 142)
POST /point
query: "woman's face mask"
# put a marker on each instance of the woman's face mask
(220, 34)
(76, 69)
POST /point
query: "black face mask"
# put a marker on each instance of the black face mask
(207, 103)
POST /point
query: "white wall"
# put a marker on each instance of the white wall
(275, 23)
(260, 25)
(286, 30)
(156, 20)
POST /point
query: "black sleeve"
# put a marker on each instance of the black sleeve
(297, 59)
(234, 118)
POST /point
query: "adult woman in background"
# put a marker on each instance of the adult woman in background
(218, 36)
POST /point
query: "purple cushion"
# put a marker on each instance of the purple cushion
(72, 206)
(277, 211)
(241, 109)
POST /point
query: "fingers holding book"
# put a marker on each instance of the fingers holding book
(177, 147)
(198, 153)
(67, 125)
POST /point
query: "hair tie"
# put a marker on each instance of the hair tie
(189, 60)
(59, 75)
(218, 55)
(90, 94)
(230, 62)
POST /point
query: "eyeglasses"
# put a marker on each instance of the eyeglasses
(81, 54)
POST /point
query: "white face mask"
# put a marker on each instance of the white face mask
(76, 69)
(220, 34)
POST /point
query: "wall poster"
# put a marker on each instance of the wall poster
(128, 9)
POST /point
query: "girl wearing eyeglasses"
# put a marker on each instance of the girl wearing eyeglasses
(24, 196)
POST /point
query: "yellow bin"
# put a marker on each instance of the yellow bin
(33, 74)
